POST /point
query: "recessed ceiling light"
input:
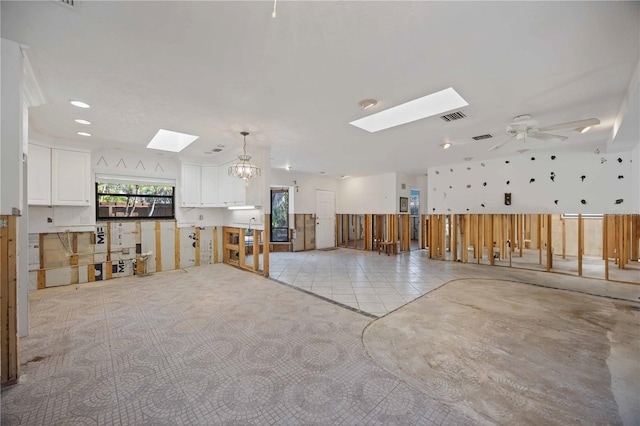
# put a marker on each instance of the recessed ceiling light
(446, 145)
(426, 106)
(367, 103)
(322, 173)
(80, 104)
(167, 140)
(81, 121)
(84, 133)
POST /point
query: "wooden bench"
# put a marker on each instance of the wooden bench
(389, 247)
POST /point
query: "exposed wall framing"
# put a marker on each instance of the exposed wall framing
(9, 354)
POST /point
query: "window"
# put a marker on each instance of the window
(280, 215)
(134, 201)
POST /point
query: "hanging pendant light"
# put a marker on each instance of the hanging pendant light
(244, 168)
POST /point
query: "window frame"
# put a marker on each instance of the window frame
(271, 227)
(134, 218)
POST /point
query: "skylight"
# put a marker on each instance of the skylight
(426, 106)
(167, 140)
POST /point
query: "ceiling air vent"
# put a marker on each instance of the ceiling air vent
(453, 116)
(216, 150)
(72, 4)
(479, 138)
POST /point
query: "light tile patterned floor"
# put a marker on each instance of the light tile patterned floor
(379, 284)
(212, 345)
(217, 345)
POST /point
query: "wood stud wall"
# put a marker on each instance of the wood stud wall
(9, 355)
(500, 234)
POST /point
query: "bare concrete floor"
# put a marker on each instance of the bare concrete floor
(510, 353)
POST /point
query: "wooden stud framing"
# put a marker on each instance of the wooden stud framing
(580, 242)
(549, 248)
(256, 250)
(109, 241)
(241, 248)
(454, 237)
(367, 232)
(73, 259)
(489, 232)
(605, 245)
(539, 218)
(158, 248)
(355, 230)
(442, 238)
(464, 237)
(176, 245)
(265, 253)
(197, 247)
(635, 238)
(512, 233)
(108, 274)
(215, 245)
(564, 236)
(9, 366)
(42, 278)
(520, 233)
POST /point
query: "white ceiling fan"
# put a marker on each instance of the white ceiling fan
(523, 127)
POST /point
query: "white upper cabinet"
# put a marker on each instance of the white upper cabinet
(232, 190)
(70, 178)
(39, 175)
(190, 185)
(209, 186)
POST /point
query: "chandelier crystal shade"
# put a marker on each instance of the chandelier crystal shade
(244, 168)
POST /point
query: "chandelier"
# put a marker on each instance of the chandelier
(244, 168)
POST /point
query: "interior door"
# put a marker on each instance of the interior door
(325, 218)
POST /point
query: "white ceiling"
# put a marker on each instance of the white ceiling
(216, 68)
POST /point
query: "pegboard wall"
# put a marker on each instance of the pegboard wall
(539, 182)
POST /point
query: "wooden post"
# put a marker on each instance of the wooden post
(539, 217)
(564, 237)
(9, 366)
(580, 243)
(73, 259)
(109, 241)
(626, 236)
(549, 250)
(430, 236)
(635, 222)
(605, 245)
(241, 248)
(265, 251)
(215, 245)
(512, 233)
(158, 247)
(176, 245)
(453, 235)
(464, 237)
(197, 246)
(490, 244)
(520, 233)
(256, 250)
(442, 238)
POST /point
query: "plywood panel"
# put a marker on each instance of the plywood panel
(309, 232)
(57, 277)
(299, 226)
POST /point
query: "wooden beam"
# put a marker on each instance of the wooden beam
(549, 249)
(158, 248)
(9, 359)
(265, 252)
(580, 242)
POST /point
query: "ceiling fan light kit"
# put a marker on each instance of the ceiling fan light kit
(523, 127)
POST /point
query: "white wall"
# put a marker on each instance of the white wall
(307, 183)
(11, 128)
(459, 188)
(635, 177)
(368, 194)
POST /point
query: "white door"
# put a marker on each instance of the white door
(325, 219)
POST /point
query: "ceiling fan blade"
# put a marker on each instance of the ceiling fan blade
(501, 144)
(547, 137)
(571, 125)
